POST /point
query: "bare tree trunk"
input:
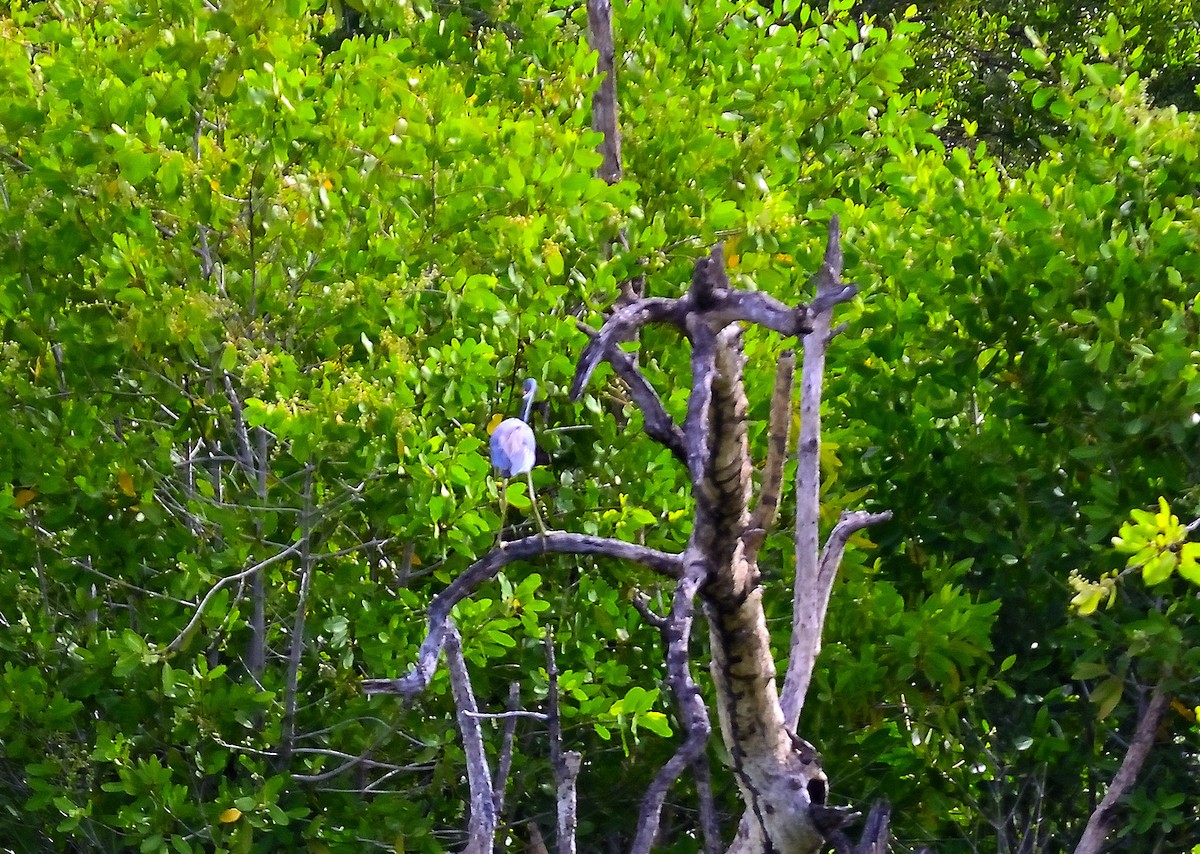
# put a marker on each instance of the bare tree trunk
(256, 654)
(604, 103)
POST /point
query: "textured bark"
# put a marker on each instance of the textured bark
(776, 780)
(604, 103)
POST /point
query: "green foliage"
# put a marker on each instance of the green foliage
(263, 285)
(968, 52)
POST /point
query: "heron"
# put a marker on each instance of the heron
(513, 452)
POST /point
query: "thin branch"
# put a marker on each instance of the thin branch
(658, 425)
(564, 763)
(186, 632)
(848, 524)
(806, 637)
(481, 823)
(504, 763)
(240, 431)
(555, 542)
(351, 762)
(507, 716)
(1100, 822)
(296, 650)
(552, 718)
(623, 325)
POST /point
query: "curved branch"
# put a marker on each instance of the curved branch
(835, 547)
(622, 326)
(812, 601)
(186, 632)
(484, 569)
(658, 425)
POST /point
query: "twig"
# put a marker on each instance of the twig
(185, 633)
(508, 716)
(296, 650)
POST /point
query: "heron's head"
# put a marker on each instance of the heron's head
(530, 388)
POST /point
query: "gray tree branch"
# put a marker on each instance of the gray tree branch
(564, 763)
(504, 763)
(556, 542)
(604, 102)
(481, 823)
(815, 571)
(658, 425)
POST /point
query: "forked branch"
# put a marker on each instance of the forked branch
(675, 631)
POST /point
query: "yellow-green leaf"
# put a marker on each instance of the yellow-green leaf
(1158, 569)
(1107, 695)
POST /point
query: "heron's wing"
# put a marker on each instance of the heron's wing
(516, 446)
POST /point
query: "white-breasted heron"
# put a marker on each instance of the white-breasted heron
(513, 452)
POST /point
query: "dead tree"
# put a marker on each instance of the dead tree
(778, 774)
